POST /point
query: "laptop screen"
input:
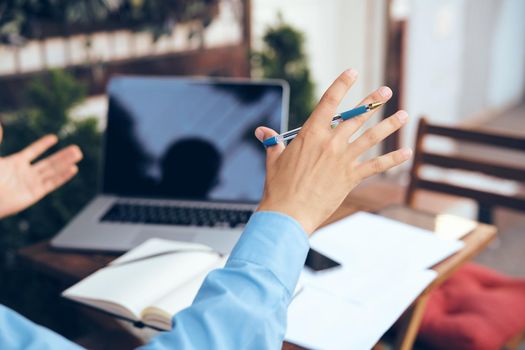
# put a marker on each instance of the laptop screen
(189, 139)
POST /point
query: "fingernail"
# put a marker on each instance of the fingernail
(259, 134)
(352, 73)
(406, 153)
(78, 152)
(385, 91)
(52, 138)
(402, 116)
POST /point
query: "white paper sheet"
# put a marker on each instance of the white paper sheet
(364, 242)
(374, 251)
(320, 320)
(385, 266)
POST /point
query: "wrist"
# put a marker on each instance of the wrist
(305, 223)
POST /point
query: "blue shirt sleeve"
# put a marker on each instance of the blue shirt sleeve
(17, 332)
(244, 304)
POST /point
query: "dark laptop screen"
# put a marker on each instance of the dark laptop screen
(188, 139)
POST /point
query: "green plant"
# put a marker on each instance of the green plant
(20, 19)
(283, 57)
(52, 96)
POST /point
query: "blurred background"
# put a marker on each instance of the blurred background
(460, 63)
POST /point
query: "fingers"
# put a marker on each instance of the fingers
(349, 127)
(58, 168)
(383, 163)
(377, 133)
(327, 107)
(1, 133)
(272, 153)
(38, 147)
(59, 163)
(51, 183)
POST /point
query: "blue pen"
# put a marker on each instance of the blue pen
(290, 135)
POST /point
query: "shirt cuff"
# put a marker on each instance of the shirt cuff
(276, 242)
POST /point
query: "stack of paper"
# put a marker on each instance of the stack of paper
(385, 266)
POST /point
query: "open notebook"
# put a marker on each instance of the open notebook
(150, 283)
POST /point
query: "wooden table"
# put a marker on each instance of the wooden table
(70, 267)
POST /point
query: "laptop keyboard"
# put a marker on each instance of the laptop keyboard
(176, 215)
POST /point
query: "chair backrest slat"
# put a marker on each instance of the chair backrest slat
(464, 163)
(478, 136)
(486, 199)
(513, 202)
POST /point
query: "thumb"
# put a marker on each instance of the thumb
(1, 133)
(273, 152)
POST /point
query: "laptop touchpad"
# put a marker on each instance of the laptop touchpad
(146, 234)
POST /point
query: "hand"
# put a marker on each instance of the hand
(309, 179)
(23, 183)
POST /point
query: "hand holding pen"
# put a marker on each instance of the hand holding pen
(290, 135)
(309, 178)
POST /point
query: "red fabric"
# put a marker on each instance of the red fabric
(476, 309)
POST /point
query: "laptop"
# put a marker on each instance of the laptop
(180, 162)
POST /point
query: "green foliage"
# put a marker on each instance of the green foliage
(52, 98)
(20, 19)
(283, 57)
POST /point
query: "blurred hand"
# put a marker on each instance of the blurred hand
(309, 179)
(23, 183)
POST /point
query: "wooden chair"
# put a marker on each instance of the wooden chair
(486, 200)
